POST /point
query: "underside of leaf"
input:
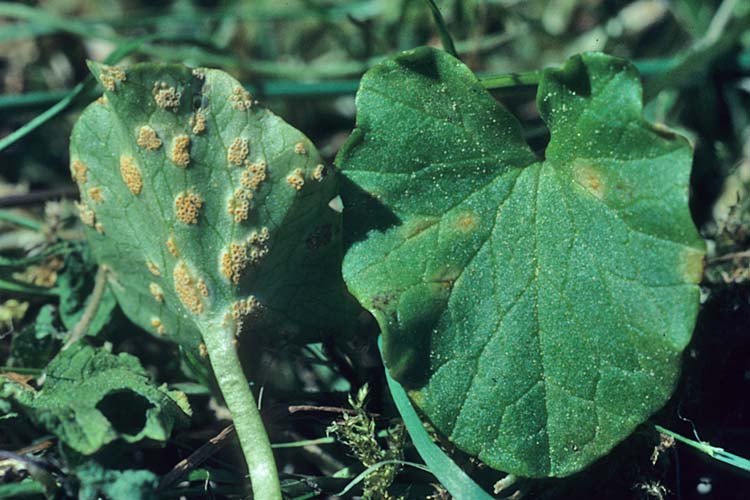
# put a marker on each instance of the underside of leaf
(206, 207)
(536, 309)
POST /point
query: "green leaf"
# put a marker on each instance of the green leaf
(91, 397)
(97, 482)
(161, 162)
(26, 489)
(211, 214)
(37, 343)
(535, 310)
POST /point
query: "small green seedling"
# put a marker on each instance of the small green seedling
(211, 215)
(534, 308)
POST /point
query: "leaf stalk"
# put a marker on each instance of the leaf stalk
(256, 447)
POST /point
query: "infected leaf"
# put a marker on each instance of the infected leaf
(536, 310)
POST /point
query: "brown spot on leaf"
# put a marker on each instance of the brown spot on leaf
(590, 179)
(466, 221)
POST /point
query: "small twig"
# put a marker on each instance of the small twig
(745, 254)
(206, 450)
(35, 448)
(35, 197)
(100, 285)
(323, 409)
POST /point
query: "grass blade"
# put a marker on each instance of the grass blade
(712, 451)
(450, 475)
(445, 36)
(362, 475)
(88, 83)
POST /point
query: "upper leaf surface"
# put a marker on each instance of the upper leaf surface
(91, 397)
(209, 209)
(535, 309)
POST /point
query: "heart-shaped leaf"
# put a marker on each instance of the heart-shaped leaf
(536, 309)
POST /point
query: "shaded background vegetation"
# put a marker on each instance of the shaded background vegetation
(303, 59)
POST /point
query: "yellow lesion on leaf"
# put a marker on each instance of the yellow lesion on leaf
(319, 172)
(296, 179)
(238, 151)
(86, 214)
(188, 288)
(172, 247)
(202, 287)
(153, 268)
(131, 174)
(239, 204)
(187, 206)
(591, 179)
(466, 221)
(250, 305)
(198, 122)
(95, 193)
(79, 171)
(156, 292)
(241, 99)
(147, 138)
(157, 324)
(180, 153)
(166, 96)
(110, 76)
(300, 149)
(234, 261)
(243, 310)
(253, 175)
(258, 245)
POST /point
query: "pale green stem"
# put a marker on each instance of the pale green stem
(222, 352)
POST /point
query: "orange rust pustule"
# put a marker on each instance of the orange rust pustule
(79, 171)
(180, 153)
(147, 138)
(131, 174)
(187, 207)
(238, 151)
(188, 288)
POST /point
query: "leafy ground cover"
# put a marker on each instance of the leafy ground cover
(555, 261)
